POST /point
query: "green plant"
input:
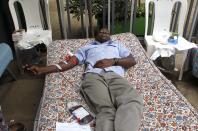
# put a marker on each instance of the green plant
(140, 10)
(97, 7)
(173, 35)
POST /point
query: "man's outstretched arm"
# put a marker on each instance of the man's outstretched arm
(53, 68)
(126, 62)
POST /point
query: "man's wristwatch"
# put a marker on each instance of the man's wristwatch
(115, 61)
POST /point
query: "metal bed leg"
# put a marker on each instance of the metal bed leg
(183, 64)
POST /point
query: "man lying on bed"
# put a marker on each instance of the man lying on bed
(116, 104)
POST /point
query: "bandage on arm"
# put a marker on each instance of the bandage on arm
(60, 66)
(70, 64)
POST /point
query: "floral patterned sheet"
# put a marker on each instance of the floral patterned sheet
(164, 106)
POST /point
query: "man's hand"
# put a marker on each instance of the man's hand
(125, 62)
(36, 70)
(104, 63)
(52, 68)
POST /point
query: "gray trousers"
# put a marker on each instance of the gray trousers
(116, 104)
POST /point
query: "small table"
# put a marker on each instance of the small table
(156, 49)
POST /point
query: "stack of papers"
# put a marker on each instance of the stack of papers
(71, 127)
(183, 44)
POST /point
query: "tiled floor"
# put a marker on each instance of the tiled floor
(189, 88)
(20, 99)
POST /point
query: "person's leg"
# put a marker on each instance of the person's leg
(129, 104)
(96, 94)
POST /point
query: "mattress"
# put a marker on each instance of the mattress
(165, 108)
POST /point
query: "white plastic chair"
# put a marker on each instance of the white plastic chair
(35, 33)
(33, 18)
(162, 20)
(31, 9)
(161, 30)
